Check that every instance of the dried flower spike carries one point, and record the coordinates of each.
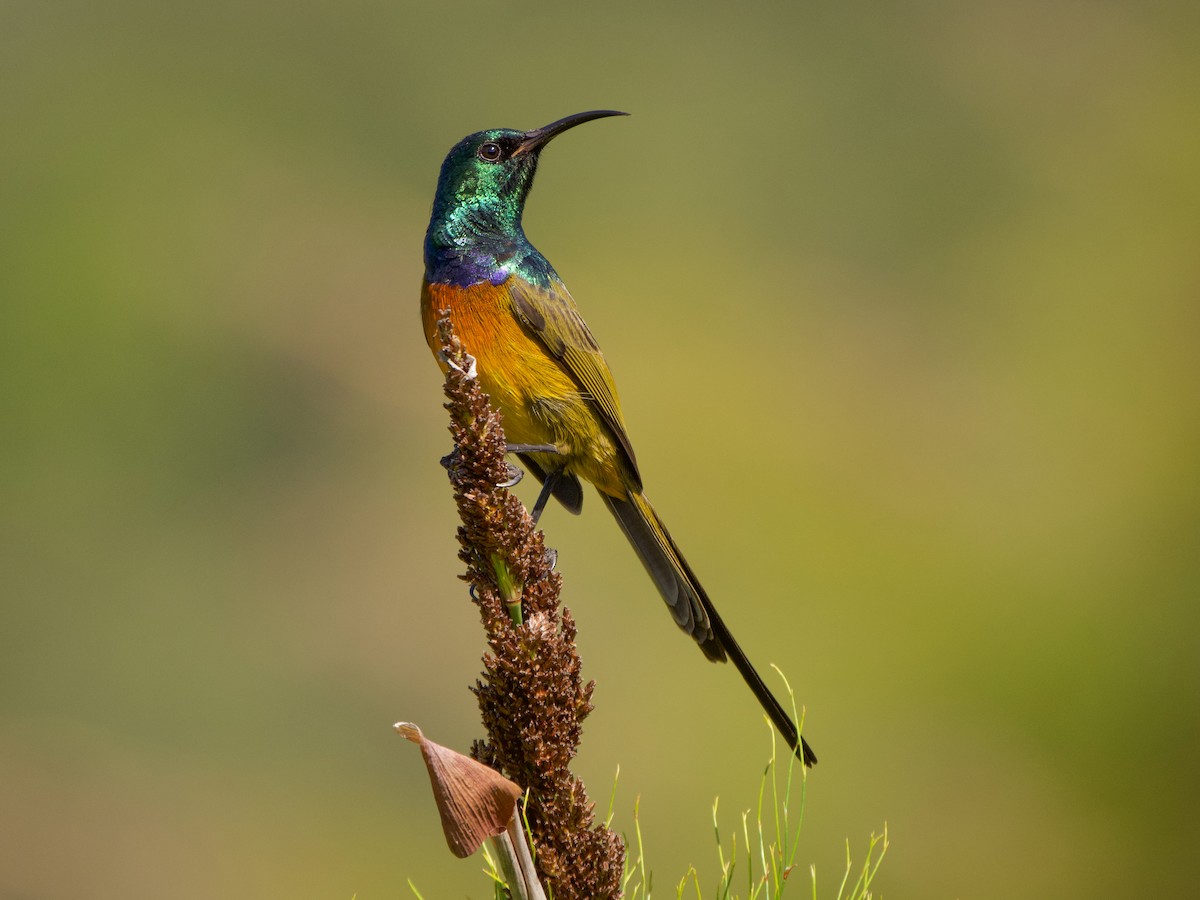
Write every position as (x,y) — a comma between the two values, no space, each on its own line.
(532,695)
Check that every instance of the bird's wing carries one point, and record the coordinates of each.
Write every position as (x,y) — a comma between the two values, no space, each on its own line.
(552,316)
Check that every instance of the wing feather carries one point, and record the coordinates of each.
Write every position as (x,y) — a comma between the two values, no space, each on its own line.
(552,316)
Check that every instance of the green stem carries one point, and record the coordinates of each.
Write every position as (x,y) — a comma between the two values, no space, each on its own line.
(510,591)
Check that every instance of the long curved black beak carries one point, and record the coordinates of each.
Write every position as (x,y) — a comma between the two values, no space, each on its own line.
(533,141)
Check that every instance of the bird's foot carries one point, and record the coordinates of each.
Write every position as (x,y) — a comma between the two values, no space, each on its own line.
(515,474)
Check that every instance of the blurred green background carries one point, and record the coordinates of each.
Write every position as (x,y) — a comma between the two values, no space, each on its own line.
(902,300)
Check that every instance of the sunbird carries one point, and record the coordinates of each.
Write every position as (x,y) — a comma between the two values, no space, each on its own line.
(539,364)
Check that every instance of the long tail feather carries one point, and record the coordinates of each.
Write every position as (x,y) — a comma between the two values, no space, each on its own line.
(690,606)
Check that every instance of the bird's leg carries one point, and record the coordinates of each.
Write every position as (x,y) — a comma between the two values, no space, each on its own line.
(515,473)
(532,448)
(548,486)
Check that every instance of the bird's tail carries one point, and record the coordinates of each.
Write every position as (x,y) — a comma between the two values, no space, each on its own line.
(690,606)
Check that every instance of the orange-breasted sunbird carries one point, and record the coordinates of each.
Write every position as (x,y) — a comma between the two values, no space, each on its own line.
(538,362)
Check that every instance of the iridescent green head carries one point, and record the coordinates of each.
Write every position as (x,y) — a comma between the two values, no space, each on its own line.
(475,231)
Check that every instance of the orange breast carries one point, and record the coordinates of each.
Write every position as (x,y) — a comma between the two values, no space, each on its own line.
(540,402)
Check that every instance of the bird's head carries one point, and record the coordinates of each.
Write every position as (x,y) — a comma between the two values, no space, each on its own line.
(487,175)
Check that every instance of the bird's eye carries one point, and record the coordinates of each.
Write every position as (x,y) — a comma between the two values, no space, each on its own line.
(489,151)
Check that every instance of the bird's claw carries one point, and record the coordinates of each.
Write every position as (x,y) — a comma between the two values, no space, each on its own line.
(515,474)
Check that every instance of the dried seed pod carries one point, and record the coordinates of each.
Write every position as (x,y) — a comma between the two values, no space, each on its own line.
(475,801)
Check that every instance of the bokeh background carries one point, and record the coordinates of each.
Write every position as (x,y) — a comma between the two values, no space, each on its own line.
(902,300)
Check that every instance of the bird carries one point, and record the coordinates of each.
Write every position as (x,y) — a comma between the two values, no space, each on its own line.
(539,364)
